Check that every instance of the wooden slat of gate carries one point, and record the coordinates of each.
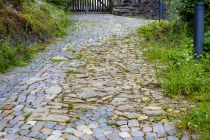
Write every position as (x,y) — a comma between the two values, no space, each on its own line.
(84,4)
(99,5)
(73,5)
(91,5)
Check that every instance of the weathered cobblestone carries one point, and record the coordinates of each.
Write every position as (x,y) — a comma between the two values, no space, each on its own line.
(91,85)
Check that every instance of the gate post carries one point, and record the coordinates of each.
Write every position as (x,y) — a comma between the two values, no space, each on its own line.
(199,28)
(161,10)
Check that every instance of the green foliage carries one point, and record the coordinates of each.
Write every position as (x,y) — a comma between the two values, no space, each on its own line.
(45,20)
(172,6)
(37,18)
(163,32)
(16,55)
(169,46)
(207,41)
(60,3)
(174,49)
(1,26)
(198,120)
(186,10)
(71,105)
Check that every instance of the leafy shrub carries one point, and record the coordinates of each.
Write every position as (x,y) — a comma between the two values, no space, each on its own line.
(207,41)
(172,9)
(170,32)
(16,55)
(186,10)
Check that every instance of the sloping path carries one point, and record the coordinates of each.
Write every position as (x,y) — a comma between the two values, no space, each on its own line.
(91,85)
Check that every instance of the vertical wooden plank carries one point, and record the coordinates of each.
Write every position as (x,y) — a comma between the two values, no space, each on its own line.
(106,5)
(99,5)
(84,6)
(78,5)
(90,2)
(92,5)
(102,7)
(83,1)
(73,5)
(95,5)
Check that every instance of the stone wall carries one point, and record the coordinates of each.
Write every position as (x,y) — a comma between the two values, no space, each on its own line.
(142,8)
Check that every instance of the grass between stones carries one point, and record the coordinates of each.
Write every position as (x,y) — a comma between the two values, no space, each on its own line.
(169,48)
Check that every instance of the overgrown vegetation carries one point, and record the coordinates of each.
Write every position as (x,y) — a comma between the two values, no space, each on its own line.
(198,120)
(24,26)
(60,3)
(186,10)
(171,50)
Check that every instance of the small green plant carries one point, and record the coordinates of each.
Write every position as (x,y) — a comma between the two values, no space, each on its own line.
(62,98)
(170,116)
(198,119)
(27,116)
(69,121)
(157,119)
(110,123)
(71,105)
(167,107)
(72,50)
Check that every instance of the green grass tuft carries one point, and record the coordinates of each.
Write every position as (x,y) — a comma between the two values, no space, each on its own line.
(71,105)
(198,120)
(17,55)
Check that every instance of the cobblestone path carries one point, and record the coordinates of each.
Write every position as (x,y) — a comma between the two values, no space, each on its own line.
(92,85)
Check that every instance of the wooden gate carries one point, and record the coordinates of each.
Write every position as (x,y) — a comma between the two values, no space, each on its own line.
(91,5)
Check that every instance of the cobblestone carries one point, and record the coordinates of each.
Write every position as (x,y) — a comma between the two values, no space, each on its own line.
(93,92)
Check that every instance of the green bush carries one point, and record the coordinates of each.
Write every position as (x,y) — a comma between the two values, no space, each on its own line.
(207,41)
(172,9)
(186,10)
(16,55)
(164,32)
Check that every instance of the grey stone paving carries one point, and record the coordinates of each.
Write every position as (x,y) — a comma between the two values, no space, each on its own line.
(60,96)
